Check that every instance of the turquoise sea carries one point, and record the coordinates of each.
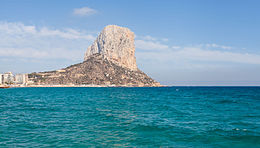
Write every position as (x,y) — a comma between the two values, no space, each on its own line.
(130,117)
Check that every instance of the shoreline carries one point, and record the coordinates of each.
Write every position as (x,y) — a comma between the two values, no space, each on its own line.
(23,86)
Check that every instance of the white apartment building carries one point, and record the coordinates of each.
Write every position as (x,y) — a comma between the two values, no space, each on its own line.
(1,79)
(21,78)
(8,78)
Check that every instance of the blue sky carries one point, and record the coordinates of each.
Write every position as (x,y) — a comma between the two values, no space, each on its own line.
(181,42)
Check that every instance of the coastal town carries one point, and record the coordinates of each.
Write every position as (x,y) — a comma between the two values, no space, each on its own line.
(8,79)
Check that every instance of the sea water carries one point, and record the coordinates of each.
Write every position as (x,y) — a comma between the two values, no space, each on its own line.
(131,117)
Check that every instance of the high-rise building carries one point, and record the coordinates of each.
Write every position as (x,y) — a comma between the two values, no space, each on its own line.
(1,79)
(21,78)
(8,78)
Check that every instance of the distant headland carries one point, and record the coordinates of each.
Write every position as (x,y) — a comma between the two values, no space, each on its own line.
(109,61)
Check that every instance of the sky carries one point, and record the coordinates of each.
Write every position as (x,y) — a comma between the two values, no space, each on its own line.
(178,42)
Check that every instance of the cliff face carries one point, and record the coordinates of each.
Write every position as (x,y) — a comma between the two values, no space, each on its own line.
(109,61)
(115,44)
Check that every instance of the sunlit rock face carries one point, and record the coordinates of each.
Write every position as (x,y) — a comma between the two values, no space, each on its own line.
(115,44)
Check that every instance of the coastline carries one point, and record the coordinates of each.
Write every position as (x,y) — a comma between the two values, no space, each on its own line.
(22,86)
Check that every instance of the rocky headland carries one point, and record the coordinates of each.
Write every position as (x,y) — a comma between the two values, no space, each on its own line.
(109,61)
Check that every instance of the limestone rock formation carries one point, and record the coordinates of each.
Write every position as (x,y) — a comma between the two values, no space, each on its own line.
(115,44)
(109,61)
(94,71)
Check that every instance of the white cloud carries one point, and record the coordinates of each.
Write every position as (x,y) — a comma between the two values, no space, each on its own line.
(54,53)
(197,55)
(165,39)
(151,38)
(18,40)
(84,11)
(21,29)
(217,46)
(67,33)
(176,47)
(28,41)
(150,45)
(148,37)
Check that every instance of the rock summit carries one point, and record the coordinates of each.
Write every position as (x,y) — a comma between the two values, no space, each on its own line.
(109,61)
(115,44)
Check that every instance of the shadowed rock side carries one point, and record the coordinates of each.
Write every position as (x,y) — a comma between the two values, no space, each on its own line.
(94,70)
